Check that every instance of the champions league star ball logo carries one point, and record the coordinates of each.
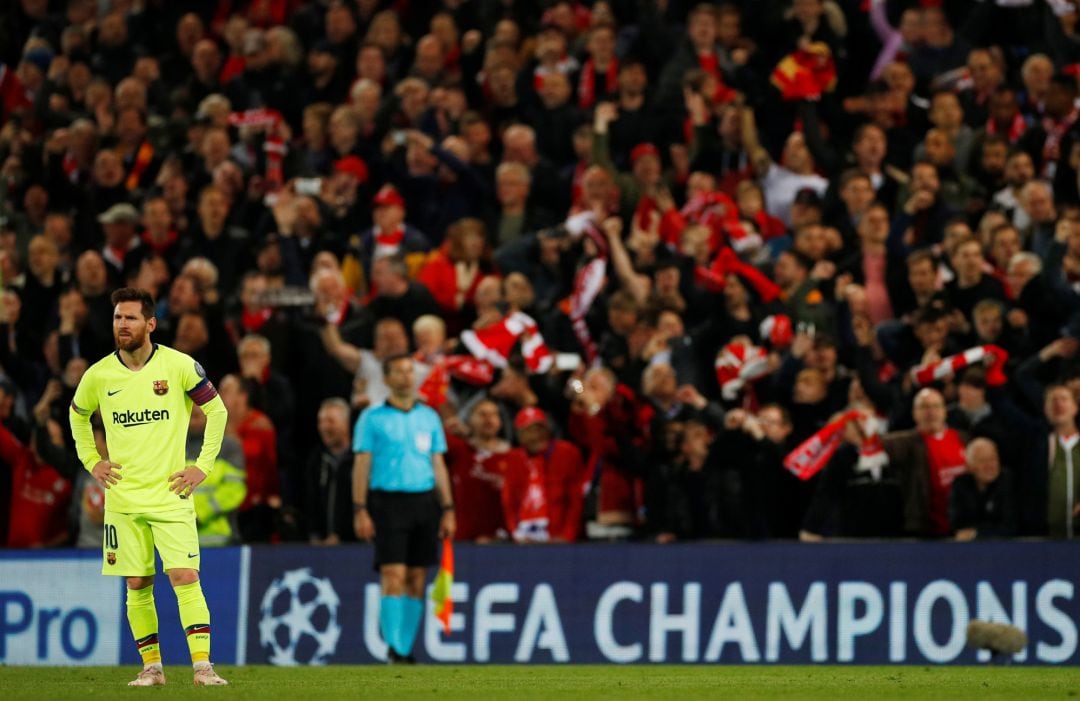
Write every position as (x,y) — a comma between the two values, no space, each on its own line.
(299,619)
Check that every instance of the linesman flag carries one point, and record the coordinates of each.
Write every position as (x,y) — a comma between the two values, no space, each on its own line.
(444,580)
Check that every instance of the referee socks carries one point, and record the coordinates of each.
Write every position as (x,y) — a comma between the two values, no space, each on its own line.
(412,610)
(391,620)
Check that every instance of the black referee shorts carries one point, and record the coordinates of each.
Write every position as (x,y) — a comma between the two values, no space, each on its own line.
(406,527)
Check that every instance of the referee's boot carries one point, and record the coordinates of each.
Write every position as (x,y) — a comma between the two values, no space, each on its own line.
(392,657)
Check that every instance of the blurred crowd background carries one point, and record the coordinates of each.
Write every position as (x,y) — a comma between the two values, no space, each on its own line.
(766,269)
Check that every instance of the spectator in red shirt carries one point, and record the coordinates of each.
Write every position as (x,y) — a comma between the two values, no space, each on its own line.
(612,428)
(256,434)
(477,467)
(543,490)
(453,272)
(39,494)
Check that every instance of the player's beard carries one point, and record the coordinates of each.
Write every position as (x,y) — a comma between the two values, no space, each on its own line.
(130,343)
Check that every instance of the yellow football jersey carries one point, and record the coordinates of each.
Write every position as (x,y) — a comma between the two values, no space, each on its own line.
(146,415)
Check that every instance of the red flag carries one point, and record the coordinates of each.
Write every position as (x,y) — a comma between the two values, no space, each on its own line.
(805,73)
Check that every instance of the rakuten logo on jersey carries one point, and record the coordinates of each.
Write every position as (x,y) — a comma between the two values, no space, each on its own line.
(139,418)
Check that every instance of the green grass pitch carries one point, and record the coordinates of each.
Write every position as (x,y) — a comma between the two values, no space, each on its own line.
(544,683)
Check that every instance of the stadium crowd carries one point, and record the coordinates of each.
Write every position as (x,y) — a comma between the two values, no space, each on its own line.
(669,271)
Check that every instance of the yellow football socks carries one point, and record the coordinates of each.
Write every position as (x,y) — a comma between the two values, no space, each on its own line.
(195,617)
(142,616)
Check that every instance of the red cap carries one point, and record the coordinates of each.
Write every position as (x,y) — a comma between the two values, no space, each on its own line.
(353,165)
(645,149)
(529,416)
(388,196)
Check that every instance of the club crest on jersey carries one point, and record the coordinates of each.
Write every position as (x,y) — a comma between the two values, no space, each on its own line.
(161,387)
(110,557)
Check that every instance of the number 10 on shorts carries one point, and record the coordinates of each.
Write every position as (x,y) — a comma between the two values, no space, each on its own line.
(111,540)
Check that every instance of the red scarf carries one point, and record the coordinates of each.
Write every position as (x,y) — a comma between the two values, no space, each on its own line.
(143,156)
(392,239)
(160,247)
(434,389)
(737,365)
(948,367)
(71,167)
(812,455)
(725,263)
(1016,129)
(588,283)
(1055,131)
(274,146)
(587,83)
(715,210)
(565,65)
(494,343)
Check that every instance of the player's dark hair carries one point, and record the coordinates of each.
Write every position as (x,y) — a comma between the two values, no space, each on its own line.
(135,294)
(389,362)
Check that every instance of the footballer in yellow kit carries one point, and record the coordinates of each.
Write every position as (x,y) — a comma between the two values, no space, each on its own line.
(144,393)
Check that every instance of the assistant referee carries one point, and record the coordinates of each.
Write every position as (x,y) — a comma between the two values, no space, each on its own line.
(402,499)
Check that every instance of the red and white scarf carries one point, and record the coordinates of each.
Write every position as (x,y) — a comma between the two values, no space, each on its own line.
(495,342)
(1055,132)
(872,456)
(435,388)
(565,65)
(70,164)
(1016,129)
(715,210)
(588,283)
(587,82)
(928,373)
(388,243)
(738,364)
(274,145)
(776,330)
(812,455)
(727,263)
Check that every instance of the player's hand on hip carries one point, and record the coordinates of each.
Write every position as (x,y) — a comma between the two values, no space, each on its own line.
(448,525)
(106,473)
(364,526)
(185,481)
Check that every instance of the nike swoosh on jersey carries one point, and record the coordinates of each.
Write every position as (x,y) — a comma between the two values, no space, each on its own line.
(118,391)
(195,555)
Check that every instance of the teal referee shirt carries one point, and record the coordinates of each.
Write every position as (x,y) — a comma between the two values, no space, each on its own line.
(401,444)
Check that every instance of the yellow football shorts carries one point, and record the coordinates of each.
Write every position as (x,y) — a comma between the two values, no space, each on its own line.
(130,539)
